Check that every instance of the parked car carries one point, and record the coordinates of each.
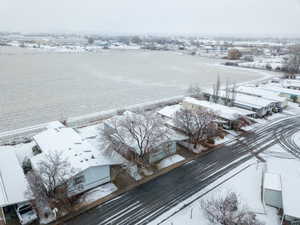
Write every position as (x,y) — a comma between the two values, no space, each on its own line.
(26,213)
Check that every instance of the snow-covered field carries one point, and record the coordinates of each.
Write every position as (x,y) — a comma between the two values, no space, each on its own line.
(246,182)
(39,86)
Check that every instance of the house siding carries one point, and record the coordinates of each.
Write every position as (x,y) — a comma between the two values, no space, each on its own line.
(162,151)
(93,177)
(273,198)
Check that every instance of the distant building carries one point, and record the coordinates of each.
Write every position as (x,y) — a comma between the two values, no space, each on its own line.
(232,117)
(290,94)
(261,106)
(280,102)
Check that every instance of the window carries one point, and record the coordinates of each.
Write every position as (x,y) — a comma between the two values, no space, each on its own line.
(79,180)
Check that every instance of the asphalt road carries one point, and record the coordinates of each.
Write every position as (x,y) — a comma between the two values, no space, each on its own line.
(148,201)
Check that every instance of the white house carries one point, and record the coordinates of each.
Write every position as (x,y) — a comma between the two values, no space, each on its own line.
(91,168)
(13,184)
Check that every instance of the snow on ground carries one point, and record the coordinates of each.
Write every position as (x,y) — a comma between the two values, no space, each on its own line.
(219,140)
(296,139)
(190,146)
(169,161)
(98,193)
(293,108)
(288,168)
(247,185)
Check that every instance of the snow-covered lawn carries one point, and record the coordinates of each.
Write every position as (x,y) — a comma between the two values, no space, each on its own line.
(219,140)
(190,147)
(246,184)
(98,193)
(169,161)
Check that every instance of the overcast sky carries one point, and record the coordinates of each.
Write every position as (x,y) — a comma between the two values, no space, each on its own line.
(242,17)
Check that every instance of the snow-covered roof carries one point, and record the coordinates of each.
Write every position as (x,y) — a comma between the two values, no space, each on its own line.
(13,184)
(272,181)
(290,194)
(261,93)
(255,102)
(170,111)
(226,112)
(243,99)
(280,90)
(291,83)
(289,170)
(67,142)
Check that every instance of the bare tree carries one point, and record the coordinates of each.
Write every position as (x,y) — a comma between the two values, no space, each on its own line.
(195,91)
(228,210)
(197,124)
(292,65)
(91,40)
(233,93)
(136,135)
(227,93)
(216,90)
(49,181)
(234,54)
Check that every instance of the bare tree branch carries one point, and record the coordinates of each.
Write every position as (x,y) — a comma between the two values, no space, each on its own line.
(140,133)
(195,91)
(228,210)
(195,123)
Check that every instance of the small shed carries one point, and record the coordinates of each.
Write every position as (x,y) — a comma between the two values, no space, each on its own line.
(272,190)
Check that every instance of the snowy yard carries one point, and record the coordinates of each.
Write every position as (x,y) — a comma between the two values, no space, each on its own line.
(247,185)
(169,161)
(98,193)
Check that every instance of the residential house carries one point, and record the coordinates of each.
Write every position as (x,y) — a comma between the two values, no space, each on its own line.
(261,106)
(291,84)
(230,117)
(89,167)
(166,147)
(279,102)
(290,94)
